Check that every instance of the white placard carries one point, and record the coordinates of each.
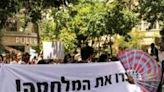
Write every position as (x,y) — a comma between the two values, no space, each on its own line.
(53,50)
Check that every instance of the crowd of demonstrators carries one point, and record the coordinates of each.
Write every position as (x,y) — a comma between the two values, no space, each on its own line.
(86,56)
(17,58)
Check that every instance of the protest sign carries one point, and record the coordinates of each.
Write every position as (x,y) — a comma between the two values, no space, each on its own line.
(53,50)
(95,77)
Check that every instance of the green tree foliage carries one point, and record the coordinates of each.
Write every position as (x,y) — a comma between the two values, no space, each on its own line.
(152,10)
(47,28)
(81,20)
(133,42)
(136,38)
(7,9)
(88,20)
(68,38)
(120,20)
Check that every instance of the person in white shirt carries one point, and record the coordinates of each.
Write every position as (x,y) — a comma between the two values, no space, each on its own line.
(13,59)
(19,58)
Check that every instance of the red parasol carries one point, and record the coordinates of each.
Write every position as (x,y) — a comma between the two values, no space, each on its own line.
(143,68)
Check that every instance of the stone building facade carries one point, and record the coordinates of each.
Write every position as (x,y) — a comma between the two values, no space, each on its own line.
(14,39)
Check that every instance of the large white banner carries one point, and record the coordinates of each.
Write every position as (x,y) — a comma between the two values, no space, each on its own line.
(96,77)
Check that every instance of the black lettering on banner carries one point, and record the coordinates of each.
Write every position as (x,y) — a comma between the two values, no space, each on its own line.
(87,82)
(122,76)
(66,82)
(117,80)
(76,85)
(108,79)
(18,85)
(30,87)
(53,86)
(99,79)
(44,85)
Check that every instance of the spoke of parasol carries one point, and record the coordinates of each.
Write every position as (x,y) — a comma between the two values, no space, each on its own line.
(153,65)
(150,75)
(146,84)
(142,88)
(127,60)
(144,65)
(133,60)
(139,60)
(148,80)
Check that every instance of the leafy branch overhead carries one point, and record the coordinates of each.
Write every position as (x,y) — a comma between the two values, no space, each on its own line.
(152,11)
(75,22)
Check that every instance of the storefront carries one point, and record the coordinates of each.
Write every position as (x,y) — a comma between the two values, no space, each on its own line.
(19,41)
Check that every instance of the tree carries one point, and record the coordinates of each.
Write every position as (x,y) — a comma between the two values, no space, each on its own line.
(47,28)
(7,9)
(84,20)
(32,10)
(93,19)
(152,11)
(119,20)
(89,21)
(135,40)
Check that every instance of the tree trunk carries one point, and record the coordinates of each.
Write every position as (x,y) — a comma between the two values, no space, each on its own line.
(110,40)
(36,29)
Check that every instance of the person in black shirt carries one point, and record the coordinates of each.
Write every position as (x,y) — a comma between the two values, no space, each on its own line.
(154,52)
